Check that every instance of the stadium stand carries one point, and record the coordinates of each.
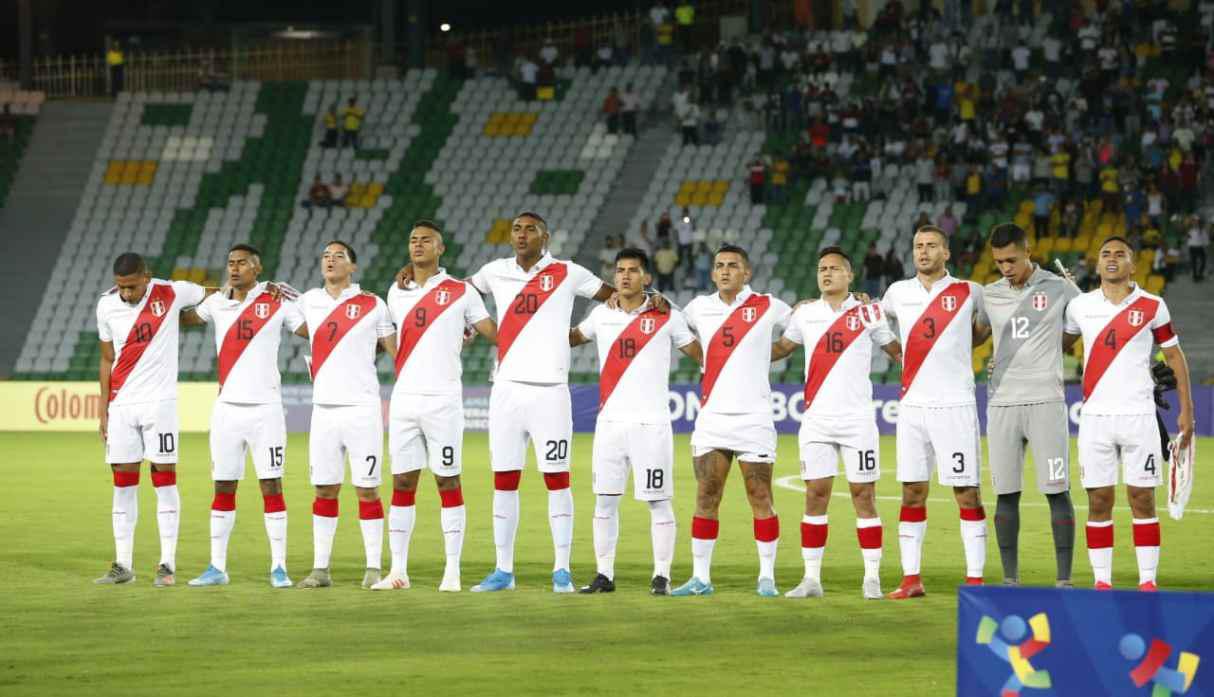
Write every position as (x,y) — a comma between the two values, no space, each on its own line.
(18,112)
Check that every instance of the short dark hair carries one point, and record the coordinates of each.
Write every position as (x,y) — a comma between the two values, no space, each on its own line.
(932,228)
(634,253)
(537,216)
(349,250)
(242,247)
(732,249)
(1116,238)
(429,224)
(1004,234)
(128,264)
(835,249)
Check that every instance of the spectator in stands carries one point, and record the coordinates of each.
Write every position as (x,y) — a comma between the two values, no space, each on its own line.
(549,53)
(1198,239)
(684,229)
(702,265)
(973,189)
(604,57)
(779,180)
(874,268)
(948,222)
(1110,188)
(1188,183)
(1043,207)
(611,109)
(607,257)
(338,191)
(330,120)
(893,267)
(689,122)
(925,174)
(528,78)
(115,60)
(351,123)
(757,177)
(665,262)
(1156,204)
(1068,226)
(318,195)
(211,79)
(8,124)
(665,229)
(1171,261)
(630,103)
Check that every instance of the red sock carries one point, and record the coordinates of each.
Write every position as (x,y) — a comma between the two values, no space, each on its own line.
(403,499)
(507,481)
(273,503)
(704,528)
(326,508)
(451,497)
(767,529)
(122,479)
(223,502)
(370,510)
(813,536)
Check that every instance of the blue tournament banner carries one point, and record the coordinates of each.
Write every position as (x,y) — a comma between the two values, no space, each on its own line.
(1040,642)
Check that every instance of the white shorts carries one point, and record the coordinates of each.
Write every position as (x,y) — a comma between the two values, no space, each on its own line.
(824,441)
(945,438)
(750,437)
(239,429)
(543,413)
(338,431)
(426,430)
(1129,440)
(147,430)
(646,449)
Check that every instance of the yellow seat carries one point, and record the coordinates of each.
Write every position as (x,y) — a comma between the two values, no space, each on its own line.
(1062,245)
(682,199)
(688,187)
(720,186)
(1155,283)
(499,232)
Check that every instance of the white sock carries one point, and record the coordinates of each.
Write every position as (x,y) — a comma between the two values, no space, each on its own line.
(373,541)
(871,555)
(560,520)
(324,528)
(1146,551)
(276,532)
(222,523)
(701,558)
(767,548)
(1100,555)
(168,514)
(453,520)
(606,533)
(401,520)
(973,539)
(505,526)
(910,544)
(662,529)
(125,514)
(813,555)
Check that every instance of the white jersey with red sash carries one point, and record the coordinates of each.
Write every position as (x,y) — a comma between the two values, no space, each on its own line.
(248,334)
(430,321)
(737,340)
(1117,341)
(838,355)
(634,360)
(937,333)
(534,310)
(344,332)
(145,337)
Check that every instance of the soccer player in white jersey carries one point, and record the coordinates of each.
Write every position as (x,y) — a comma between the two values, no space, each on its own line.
(138,325)
(839,333)
(737,327)
(633,430)
(1120,324)
(345,324)
(940,318)
(426,416)
(247,418)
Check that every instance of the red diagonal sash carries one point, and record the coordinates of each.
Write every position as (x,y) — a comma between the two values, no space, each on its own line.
(339,322)
(626,347)
(423,315)
(528,301)
(147,324)
(241,333)
(829,349)
(727,338)
(1115,335)
(931,324)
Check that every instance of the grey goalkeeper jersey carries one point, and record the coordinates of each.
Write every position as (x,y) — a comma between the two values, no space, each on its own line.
(1026,325)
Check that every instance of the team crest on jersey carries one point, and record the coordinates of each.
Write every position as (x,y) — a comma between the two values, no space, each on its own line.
(1135,317)
(749,314)
(546,282)
(261,310)
(1040,301)
(853,323)
(158,308)
(442,297)
(352,311)
(647,325)
(948,302)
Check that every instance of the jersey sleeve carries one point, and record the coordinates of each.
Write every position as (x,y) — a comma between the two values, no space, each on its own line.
(190,293)
(203,310)
(383,323)
(103,325)
(977,292)
(783,311)
(882,334)
(680,333)
(293,317)
(793,331)
(586,326)
(1161,327)
(480,279)
(586,283)
(689,314)
(474,309)
(1071,324)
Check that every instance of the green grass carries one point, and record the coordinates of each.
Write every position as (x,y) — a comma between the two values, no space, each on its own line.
(65,636)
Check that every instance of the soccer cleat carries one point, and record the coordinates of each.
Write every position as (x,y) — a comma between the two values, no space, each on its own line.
(871,588)
(164,577)
(279,578)
(391,582)
(694,586)
(911,587)
(767,588)
(1064,583)
(1102,586)
(1011,582)
(450,582)
(319,578)
(210,577)
(600,584)
(117,574)
(370,578)
(497,581)
(660,585)
(562,581)
(807,588)
(1148,587)
(976,581)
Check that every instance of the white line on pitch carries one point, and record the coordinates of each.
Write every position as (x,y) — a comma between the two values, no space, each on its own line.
(794,483)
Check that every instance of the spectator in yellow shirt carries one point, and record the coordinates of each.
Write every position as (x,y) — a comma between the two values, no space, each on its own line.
(1060,165)
(115,59)
(1110,188)
(351,122)
(330,140)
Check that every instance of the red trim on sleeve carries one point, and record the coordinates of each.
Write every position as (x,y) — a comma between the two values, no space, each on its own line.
(1164,333)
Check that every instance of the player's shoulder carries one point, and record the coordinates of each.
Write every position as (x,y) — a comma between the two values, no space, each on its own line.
(900,285)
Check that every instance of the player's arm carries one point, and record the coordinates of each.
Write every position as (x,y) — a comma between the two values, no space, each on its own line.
(694,351)
(576,338)
(1068,341)
(190,318)
(387,344)
(982,323)
(783,348)
(486,328)
(604,293)
(982,332)
(894,350)
(1180,366)
(105,368)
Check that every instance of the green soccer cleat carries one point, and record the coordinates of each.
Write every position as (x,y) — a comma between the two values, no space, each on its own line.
(319,578)
(118,574)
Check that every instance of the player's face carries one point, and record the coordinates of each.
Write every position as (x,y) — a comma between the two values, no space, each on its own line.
(930,252)
(1116,262)
(1013,261)
(425,245)
(335,264)
(730,272)
(131,288)
(630,278)
(834,274)
(528,236)
(243,269)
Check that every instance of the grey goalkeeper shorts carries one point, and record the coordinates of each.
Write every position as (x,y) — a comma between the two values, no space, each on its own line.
(1044,428)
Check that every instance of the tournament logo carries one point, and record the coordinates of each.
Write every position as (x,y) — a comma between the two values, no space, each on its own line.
(1011,641)
(647,325)
(546,282)
(1150,665)
(1135,317)
(948,302)
(261,310)
(442,297)
(1040,301)
(853,323)
(158,308)
(352,311)
(749,314)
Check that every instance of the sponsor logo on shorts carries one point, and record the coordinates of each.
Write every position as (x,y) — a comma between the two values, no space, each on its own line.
(158,308)
(261,310)
(352,311)
(948,302)
(1040,301)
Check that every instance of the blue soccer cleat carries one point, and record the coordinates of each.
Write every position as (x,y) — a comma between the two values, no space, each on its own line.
(279,578)
(562,581)
(497,581)
(211,577)
(693,587)
(767,588)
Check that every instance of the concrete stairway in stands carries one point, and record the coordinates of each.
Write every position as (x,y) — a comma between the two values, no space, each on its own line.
(1191,309)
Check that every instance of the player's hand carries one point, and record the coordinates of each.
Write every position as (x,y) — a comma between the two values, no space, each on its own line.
(990,367)
(613,302)
(1066,273)
(660,303)
(104,423)
(404,277)
(281,291)
(1185,423)
(864,298)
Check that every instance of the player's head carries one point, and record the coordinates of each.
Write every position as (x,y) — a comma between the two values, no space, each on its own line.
(730,268)
(1116,260)
(426,243)
(631,272)
(338,262)
(244,265)
(529,234)
(931,249)
(131,275)
(834,271)
(1010,249)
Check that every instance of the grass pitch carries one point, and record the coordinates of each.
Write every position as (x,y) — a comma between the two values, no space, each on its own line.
(62,635)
